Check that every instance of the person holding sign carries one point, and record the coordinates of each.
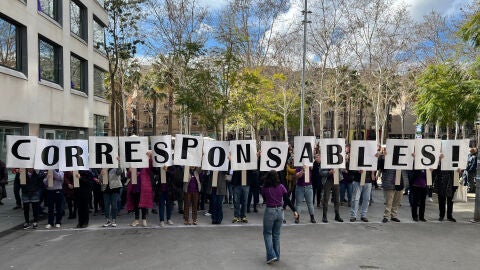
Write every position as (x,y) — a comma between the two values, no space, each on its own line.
(55,200)
(31,196)
(443,180)
(304,190)
(140,194)
(274,194)
(83,196)
(330,188)
(165,193)
(191,190)
(393,194)
(418,188)
(111,194)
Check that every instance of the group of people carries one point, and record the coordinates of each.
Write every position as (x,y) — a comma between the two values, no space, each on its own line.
(191,188)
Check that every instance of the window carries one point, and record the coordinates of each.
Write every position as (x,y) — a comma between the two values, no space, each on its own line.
(51,8)
(50,61)
(98,35)
(98,82)
(99,122)
(78,20)
(78,74)
(13,45)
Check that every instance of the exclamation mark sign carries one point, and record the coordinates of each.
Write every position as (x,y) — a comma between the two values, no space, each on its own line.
(455,155)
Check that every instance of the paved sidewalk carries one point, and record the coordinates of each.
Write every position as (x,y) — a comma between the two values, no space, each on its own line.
(11,220)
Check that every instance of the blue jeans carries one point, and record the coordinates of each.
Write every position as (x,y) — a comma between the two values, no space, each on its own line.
(364,192)
(216,207)
(272,222)
(240,196)
(304,192)
(344,186)
(55,200)
(164,202)
(110,203)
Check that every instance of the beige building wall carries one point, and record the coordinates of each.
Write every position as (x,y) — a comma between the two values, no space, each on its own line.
(28,100)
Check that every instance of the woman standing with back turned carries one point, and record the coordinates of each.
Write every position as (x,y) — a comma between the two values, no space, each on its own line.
(274,194)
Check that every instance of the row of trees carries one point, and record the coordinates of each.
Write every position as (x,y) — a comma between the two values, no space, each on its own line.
(238,68)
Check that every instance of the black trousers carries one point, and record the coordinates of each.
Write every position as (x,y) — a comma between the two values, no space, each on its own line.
(83,199)
(442,200)
(328,188)
(419,195)
(26,211)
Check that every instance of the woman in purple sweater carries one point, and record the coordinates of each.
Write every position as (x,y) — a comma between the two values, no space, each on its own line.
(274,194)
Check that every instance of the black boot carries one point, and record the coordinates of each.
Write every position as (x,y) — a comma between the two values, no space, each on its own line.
(312,219)
(324,218)
(337,217)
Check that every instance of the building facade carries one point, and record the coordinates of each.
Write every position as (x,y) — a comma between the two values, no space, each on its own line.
(52,69)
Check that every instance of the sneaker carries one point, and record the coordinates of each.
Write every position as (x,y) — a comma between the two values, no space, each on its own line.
(244,220)
(451,219)
(353,219)
(35,225)
(58,225)
(48,226)
(395,219)
(162,223)
(169,222)
(26,225)
(271,260)
(207,214)
(144,222)
(107,224)
(114,224)
(364,219)
(385,220)
(135,223)
(430,199)
(235,220)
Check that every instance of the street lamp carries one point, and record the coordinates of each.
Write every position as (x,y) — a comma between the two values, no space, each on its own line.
(302,103)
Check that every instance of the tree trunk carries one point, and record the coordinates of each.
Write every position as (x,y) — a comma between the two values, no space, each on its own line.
(154,118)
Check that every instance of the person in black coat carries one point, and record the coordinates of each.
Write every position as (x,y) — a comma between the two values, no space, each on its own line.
(83,195)
(31,195)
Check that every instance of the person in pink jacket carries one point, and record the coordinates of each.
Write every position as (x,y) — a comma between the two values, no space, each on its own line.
(140,195)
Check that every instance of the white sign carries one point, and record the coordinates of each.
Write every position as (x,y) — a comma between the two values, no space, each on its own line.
(243,155)
(162,150)
(47,154)
(215,155)
(332,153)
(73,155)
(399,154)
(103,152)
(133,152)
(427,153)
(362,155)
(188,150)
(21,151)
(273,156)
(455,153)
(303,150)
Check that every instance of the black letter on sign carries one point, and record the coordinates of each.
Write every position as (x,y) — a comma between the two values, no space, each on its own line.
(186,145)
(69,155)
(397,155)
(455,155)
(45,152)
(331,153)
(99,153)
(160,152)
(428,155)
(211,156)
(15,149)
(129,151)
(308,148)
(274,157)
(361,158)
(240,154)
